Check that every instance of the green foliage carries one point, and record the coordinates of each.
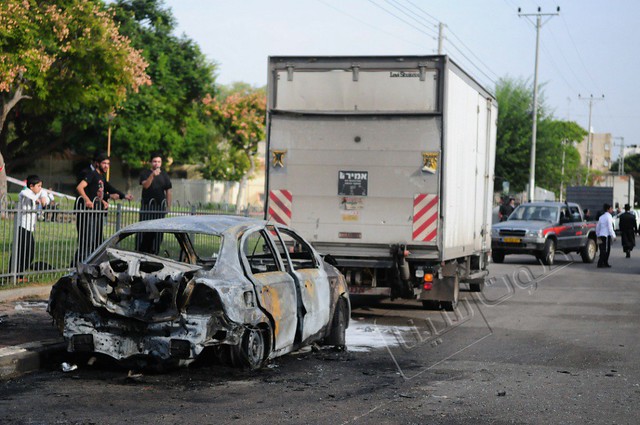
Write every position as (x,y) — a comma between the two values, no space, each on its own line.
(240,113)
(513,150)
(167,116)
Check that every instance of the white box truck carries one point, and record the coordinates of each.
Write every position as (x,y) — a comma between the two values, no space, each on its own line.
(386,165)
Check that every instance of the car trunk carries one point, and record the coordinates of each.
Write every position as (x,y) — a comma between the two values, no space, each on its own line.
(138,286)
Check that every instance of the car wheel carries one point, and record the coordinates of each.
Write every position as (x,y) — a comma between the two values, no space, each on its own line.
(549,253)
(252,350)
(588,253)
(337,336)
(497,256)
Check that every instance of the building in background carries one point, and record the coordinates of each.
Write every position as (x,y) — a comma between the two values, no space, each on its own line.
(602,144)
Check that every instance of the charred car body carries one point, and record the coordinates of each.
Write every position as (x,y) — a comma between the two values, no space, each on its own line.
(248,289)
(542,228)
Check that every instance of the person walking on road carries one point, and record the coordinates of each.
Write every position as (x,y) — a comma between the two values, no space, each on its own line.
(628,229)
(605,233)
(156,201)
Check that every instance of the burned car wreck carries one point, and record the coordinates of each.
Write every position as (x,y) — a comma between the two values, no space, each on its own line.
(246,289)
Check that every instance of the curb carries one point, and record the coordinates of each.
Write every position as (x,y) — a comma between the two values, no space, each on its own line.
(40,291)
(29,357)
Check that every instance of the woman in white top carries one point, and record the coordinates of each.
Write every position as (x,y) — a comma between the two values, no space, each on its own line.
(28,200)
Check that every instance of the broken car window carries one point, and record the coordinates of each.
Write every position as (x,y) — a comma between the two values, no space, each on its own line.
(300,253)
(259,254)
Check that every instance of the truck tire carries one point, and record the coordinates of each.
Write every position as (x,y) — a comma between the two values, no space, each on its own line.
(548,255)
(475,287)
(430,304)
(588,252)
(449,305)
(497,257)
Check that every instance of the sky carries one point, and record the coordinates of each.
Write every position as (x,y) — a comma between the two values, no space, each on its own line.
(592,48)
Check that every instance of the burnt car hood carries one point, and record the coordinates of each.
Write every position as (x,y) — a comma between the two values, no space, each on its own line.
(137,286)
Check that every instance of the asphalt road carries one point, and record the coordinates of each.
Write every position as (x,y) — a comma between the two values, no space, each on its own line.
(540,345)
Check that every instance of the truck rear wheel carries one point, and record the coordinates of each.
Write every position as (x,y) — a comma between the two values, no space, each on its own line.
(588,252)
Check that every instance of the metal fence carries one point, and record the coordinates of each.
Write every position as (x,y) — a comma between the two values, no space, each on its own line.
(64,233)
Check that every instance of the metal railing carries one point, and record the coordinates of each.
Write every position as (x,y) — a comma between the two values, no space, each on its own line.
(66,233)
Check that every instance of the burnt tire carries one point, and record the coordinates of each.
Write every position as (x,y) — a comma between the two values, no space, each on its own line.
(588,252)
(548,254)
(338,334)
(253,350)
(497,257)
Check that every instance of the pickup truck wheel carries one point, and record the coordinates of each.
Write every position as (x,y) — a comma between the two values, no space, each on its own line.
(497,256)
(588,252)
(549,253)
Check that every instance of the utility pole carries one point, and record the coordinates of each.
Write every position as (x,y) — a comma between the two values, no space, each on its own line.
(538,24)
(440,37)
(564,151)
(621,157)
(589,158)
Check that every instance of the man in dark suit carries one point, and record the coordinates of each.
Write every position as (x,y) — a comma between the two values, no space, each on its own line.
(628,229)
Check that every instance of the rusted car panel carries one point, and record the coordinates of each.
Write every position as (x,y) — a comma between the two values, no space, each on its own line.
(229,283)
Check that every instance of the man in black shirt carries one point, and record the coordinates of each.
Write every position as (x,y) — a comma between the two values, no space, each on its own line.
(94,192)
(156,201)
(506,209)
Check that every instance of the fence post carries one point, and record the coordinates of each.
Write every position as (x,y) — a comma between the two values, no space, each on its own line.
(15,248)
(118,217)
(193,210)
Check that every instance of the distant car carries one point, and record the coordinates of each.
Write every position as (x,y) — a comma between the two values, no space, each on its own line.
(616,220)
(542,228)
(247,289)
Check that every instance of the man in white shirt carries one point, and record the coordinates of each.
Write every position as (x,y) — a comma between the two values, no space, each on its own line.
(605,232)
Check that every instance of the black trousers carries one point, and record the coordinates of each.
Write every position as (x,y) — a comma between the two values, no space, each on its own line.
(25,250)
(90,233)
(150,242)
(605,250)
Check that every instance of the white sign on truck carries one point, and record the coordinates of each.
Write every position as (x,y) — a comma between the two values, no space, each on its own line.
(386,164)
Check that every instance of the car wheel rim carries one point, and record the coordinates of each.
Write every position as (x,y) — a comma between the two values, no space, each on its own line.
(255,347)
(592,249)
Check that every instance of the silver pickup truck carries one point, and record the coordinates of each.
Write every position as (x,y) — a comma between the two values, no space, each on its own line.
(541,229)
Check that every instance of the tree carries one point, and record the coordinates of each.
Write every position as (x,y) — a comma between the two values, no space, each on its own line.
(241,116)
(168,116)
(513,147)
(65,56)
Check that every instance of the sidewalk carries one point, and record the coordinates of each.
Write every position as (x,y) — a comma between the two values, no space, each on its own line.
(27,334)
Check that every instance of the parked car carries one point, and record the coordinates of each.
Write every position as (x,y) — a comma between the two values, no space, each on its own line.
(616,219)
(247,289)
(541,228)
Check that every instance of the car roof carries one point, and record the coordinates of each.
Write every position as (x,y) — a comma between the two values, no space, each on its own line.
(195,224)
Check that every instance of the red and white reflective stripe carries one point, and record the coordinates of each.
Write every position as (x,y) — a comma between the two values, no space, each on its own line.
(425,217)
(280,206)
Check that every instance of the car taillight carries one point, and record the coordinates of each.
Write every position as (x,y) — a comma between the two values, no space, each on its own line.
(428,282)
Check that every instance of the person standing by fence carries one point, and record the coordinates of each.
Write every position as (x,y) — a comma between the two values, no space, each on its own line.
(156,201)
(29,199)
(91,206)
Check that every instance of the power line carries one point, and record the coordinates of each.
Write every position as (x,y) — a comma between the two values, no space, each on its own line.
(409,14)
(434,20)
(368,24)
(473,54)
(399,18)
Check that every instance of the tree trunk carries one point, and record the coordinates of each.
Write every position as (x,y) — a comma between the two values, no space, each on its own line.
(7,106)
(243,184)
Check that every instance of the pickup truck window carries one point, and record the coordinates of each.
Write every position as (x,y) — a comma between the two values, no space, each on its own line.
(535,212)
